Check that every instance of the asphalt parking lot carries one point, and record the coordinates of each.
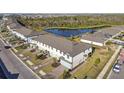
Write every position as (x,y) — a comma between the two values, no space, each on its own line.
(119,75)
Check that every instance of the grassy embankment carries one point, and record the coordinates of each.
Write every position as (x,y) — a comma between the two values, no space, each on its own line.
(65,22)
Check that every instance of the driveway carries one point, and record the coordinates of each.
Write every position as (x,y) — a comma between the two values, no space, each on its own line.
(56,72)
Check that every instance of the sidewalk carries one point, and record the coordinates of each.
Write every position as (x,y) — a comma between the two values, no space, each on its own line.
(103,72)
(20,61)
(57,71)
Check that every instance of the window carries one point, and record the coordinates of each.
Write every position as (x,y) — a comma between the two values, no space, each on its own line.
(85,55)
(68,56)
(62,53)
(58,51)
(44,45)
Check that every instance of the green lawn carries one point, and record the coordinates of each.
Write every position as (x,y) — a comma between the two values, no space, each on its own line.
(26,53)
(48,68)
(80,27)
(19,49)
(76,39)
(32,57)
(119,38)
(89,69)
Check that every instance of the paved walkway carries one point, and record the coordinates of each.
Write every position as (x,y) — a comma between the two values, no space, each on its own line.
(103,72)
(78,67)
(57,71)
(114,75)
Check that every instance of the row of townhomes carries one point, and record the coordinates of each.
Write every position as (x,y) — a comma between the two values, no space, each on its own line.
(70,53)
(101,36)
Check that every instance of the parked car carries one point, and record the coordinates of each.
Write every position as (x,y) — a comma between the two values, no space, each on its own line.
(7,47)
(117,68)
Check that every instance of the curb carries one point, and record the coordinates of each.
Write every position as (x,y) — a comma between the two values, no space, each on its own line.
(103,72)
(22,62)
(25,65)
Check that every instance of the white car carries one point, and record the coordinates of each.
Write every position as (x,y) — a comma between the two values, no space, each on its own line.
(116,68)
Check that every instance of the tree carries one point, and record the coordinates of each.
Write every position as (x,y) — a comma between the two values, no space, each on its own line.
(97,61)
(66,74)
(109,49)
(55,63)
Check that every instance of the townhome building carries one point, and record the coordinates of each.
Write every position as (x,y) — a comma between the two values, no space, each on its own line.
(70,53)
(101,36)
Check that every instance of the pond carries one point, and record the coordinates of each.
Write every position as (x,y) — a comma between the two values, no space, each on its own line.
(68,32)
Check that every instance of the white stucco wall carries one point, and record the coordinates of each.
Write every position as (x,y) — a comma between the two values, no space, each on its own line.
(98,44)
(16,33)
(19,35)
(81,57)
(66,64)
(86,41)
(53,52)
(92,42)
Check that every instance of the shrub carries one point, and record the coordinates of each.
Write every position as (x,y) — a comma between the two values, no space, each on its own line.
(24,46)
(33,50)
(55,64)
(38,56)
(66,74)
(97,61)
(108,43)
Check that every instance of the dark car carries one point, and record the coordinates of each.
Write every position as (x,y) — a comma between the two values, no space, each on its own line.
(7,47)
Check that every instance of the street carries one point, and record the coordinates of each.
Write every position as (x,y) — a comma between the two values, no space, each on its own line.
(13,64)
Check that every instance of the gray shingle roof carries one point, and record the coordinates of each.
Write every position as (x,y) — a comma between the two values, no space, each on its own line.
(23,30)
(62,44)
(102,35)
